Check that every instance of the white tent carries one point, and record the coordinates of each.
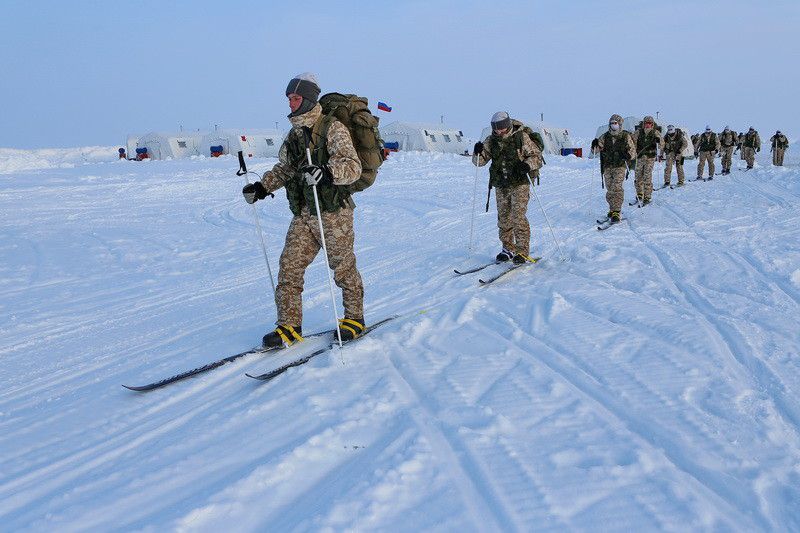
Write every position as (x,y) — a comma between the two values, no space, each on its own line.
(629,124)
(171,145)
(130,145)
(252,143)
(554,138)
(426,137)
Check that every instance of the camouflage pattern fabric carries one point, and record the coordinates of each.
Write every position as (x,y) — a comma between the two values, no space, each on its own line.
(702,158)
(727,157)
(302,245)
(644,177)
(615,192)
(530,152)
(344,163)
(676,160)
(303,240)
(777,156)
(749,155)
(512,219)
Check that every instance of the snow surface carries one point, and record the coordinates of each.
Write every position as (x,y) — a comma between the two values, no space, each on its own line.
(649,382)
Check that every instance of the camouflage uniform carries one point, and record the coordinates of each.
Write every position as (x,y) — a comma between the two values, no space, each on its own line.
(616,149)
(751,145)
(739,145)
(707,145)
(647,146)
(674,145)
(303,240)
(727,140)
(512,187)
(779,144)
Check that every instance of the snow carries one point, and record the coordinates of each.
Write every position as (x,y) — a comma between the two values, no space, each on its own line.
(648,382)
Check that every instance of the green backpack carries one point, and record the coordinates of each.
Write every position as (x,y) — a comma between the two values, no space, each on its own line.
(534,136)
(353,111)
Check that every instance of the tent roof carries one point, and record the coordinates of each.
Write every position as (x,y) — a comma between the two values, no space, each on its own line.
(418,126)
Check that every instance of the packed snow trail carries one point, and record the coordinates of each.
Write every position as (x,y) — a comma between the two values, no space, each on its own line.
(651,381)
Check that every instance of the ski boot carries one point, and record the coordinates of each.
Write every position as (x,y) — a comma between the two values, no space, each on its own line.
(504,256)
(282,335)
(351,328)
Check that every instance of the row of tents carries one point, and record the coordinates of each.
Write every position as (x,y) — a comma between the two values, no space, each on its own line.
(398,136)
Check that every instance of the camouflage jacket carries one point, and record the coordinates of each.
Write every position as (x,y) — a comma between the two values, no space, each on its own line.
(342,161)
(509,148)
(616,149)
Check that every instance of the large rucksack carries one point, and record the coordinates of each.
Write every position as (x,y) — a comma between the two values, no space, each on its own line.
(353,111)
(534,136)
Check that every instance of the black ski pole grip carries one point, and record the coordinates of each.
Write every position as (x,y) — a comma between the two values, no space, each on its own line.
(242,166)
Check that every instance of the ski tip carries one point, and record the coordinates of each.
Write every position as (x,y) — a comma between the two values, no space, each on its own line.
(135,388)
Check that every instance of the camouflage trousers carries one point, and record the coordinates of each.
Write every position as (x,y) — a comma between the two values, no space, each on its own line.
(303,243)
(777,156)
(702,158)
(615,191)
(749,155)
(644,177)
(727,158)
(678,162)
(512,219)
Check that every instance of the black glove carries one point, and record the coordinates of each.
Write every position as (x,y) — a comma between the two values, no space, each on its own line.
(595,145)
(521,167)
(758,149)
(314,175)
(254,191)
(478,148)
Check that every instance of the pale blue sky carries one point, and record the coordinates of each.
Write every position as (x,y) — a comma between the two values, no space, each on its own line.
(90,72)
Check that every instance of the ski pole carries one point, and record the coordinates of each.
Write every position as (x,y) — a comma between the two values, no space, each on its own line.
(488,195)
(244,172)
(546,219)
(472,215)
(325,251)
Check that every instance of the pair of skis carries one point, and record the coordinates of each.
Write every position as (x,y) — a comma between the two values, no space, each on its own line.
(605,223)
(266,376)
(494,278)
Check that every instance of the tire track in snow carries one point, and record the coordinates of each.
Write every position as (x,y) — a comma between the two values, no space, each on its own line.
(479,496)
(729,340)
(714,484)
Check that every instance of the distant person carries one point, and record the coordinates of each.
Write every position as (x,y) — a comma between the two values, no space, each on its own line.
(335,164)
(675,143)
(779,144)
(514,156)
(739,144)
(750,146)
(648,142)
(695,138)
(617,153)
(707,146)
(122,154)
(727,140)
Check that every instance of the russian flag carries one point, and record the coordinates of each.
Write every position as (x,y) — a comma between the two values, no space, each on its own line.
(384,107)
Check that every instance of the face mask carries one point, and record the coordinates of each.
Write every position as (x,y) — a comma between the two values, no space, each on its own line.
(614,127)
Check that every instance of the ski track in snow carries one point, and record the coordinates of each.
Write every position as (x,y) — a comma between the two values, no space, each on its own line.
(649,382)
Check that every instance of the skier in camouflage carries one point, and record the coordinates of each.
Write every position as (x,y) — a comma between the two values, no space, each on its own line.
(513,155)
(617,154)
(335,164)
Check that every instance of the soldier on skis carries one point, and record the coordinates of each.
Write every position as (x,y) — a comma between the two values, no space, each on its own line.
(335,164)
(674,144)
(647,139)
(513,155)
(617,153)
(779,144)
(751,145)
(728,140)
(706,147)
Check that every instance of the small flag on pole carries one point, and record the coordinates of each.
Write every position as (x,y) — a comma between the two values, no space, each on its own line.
(384,107)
